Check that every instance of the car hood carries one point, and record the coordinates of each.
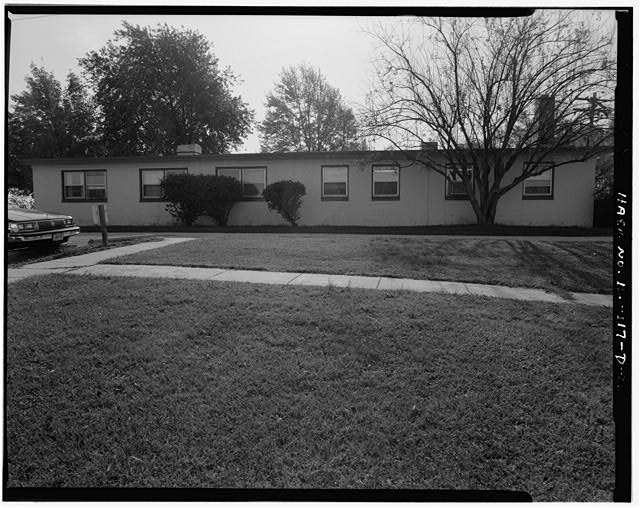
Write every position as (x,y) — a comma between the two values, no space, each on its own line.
(20,214)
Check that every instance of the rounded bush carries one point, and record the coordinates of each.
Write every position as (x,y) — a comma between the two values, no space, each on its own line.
(220,194)
(182,191)
(285,197)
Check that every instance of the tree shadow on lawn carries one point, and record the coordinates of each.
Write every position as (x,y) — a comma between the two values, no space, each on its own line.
(463,260)
(566,266)
(521,263)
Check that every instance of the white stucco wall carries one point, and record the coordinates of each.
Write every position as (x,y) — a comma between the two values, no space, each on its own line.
(422,194)
(572,203)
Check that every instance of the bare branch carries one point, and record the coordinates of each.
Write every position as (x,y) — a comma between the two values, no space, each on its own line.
(479,87)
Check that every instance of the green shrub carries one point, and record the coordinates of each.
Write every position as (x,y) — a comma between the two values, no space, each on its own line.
(285,197)
(220,193)
(191,196)
(184,193)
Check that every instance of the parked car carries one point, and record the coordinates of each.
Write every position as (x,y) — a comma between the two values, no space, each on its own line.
(33,228)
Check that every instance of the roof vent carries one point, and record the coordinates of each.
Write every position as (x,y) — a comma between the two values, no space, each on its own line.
(194,149)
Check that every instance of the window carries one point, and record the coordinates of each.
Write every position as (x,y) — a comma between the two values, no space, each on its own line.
(150,189)
(538,186)
(74,185)
(335,182)
(385,182)
(232,172)
(253,180)
(455,187)
(84,185)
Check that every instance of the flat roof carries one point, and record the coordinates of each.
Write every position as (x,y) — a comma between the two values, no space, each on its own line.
(372,155)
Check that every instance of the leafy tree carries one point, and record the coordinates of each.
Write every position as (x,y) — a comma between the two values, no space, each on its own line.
(305,113)
(49,121)
(492,91)
(36,124)
(18,175)
(161,87)
(81,136)
(285,197)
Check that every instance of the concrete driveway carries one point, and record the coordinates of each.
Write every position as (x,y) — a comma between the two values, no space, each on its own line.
(27,255)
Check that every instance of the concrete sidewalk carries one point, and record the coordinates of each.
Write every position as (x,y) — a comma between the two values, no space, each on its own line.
(93,258)
(351,281)
(87,264)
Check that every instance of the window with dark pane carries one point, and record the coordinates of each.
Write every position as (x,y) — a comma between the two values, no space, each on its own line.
(456,187)
(334,181)
(96,184)
(386,180)
(74,185)
(151,179)
(541,185)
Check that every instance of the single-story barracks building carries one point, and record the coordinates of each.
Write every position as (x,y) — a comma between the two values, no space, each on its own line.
(356,188)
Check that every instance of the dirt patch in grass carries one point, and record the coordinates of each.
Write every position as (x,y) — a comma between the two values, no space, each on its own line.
(156,383)
(551,265)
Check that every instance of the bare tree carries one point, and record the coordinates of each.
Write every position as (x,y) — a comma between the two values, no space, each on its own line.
(491,91)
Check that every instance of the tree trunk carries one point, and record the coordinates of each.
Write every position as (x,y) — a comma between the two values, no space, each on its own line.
(487,211)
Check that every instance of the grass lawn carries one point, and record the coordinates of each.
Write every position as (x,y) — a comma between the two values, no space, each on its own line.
(166,383)
(451,229)
(572,266)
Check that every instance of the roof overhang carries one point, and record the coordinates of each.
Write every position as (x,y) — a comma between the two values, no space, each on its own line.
(369,156)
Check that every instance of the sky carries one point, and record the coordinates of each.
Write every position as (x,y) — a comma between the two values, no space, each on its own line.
(256,48)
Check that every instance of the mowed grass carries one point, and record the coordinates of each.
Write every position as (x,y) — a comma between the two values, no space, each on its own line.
(166,383)
(553,265)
